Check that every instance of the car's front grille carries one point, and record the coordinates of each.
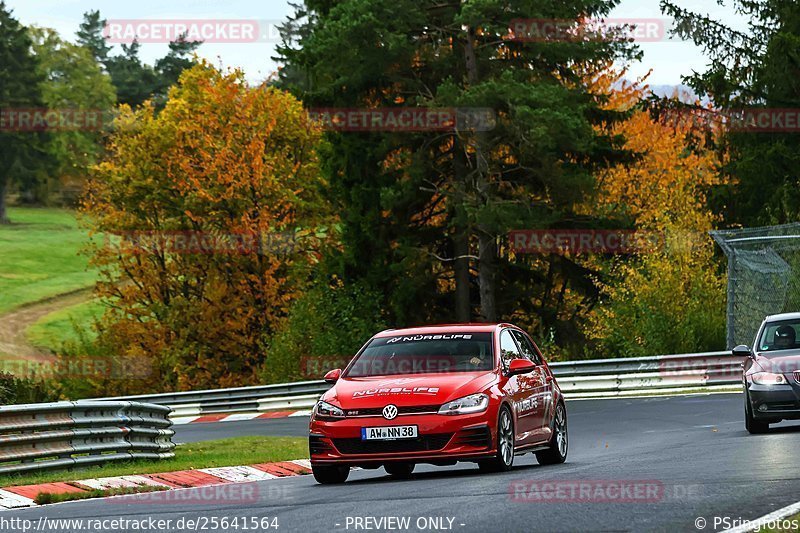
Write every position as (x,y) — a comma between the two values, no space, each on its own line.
(378,411)
(423,443)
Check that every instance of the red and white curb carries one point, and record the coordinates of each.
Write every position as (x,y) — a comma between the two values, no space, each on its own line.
(23,496)
(208,419)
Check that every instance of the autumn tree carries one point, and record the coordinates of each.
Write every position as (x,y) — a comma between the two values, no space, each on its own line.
(224,161)
(669,296)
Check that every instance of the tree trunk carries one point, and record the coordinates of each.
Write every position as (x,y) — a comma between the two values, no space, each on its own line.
(463,307)
(3,215)
(486,272)
(461,235)
(487,246)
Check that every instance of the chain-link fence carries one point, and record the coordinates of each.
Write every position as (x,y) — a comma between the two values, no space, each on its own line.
(763,276)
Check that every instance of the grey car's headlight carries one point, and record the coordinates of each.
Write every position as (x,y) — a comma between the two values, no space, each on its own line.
(768,378)
(474,403)
(326,410)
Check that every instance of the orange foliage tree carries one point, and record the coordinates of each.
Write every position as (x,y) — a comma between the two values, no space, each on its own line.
(668,298)
(206,218)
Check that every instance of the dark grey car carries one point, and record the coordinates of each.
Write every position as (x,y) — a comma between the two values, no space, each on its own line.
(771,375)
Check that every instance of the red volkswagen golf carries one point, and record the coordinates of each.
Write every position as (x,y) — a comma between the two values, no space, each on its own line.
(439,395)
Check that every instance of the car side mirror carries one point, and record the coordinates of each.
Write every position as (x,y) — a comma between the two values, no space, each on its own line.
(333,376)
(520,366)
(742,351)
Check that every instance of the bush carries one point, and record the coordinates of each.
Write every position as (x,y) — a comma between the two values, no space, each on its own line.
(665,303)
(325,328)
(17,390)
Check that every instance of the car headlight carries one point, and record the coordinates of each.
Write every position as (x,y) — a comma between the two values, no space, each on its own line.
(474,403)
(768,378)
(326,410)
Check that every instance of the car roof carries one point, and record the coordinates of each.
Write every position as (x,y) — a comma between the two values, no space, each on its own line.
(782,316)
(478,327)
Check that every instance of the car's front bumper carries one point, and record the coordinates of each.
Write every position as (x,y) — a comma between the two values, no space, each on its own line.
(772,402)
(442,439)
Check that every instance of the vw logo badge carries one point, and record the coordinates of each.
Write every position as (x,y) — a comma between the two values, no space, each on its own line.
(390,412)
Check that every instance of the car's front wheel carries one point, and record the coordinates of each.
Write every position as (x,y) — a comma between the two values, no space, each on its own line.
(328,475)
(750,423)
(556,451)
(504,457)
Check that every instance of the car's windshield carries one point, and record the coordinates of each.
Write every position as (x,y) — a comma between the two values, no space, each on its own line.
(779,335)
(424,354)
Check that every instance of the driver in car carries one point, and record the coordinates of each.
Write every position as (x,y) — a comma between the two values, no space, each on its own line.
(784,338)
(473,350)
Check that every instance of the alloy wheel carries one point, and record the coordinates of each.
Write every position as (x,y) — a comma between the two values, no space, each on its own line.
(506,438)
(561,430)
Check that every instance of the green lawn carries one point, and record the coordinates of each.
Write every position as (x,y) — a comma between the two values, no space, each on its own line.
(39,256)
(225,452)
(51,331)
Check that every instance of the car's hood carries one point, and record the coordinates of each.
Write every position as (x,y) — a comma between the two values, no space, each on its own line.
(418,389)
(779,362)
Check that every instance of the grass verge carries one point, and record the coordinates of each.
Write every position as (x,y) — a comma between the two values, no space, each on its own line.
(55,329)
(45,498)
(224,452)
(40,256)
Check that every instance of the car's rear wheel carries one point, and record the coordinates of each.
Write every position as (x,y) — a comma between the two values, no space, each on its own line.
(399,470)
(504,457)
(558,447)
(750,423)
(328,475)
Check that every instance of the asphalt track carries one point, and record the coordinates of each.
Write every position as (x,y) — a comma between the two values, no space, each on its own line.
(694,448)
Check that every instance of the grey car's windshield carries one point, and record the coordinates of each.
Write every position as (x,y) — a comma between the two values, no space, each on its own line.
(424,354)
(779,335)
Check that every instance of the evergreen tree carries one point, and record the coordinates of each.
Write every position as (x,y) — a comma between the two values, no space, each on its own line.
(437,206)
(169,67)
(90,35)
(21,152)
(757,68)
(136,82)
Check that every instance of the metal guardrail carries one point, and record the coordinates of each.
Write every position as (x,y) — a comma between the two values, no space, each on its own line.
(63,435)
(593,378)
(236,400)
(665,373)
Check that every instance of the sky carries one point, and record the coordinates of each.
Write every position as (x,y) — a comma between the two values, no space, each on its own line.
(667,59)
